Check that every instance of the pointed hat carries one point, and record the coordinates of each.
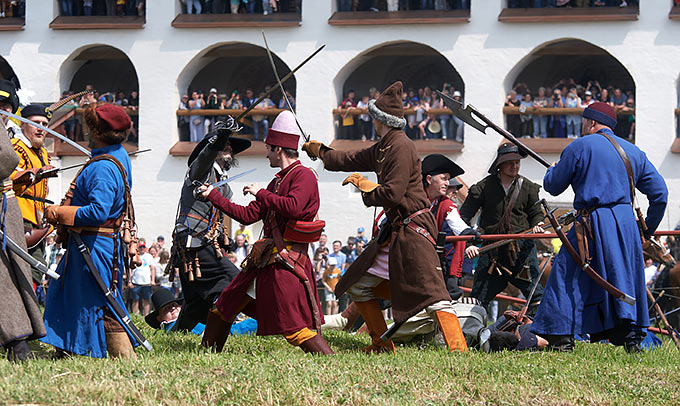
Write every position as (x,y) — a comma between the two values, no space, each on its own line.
(284,132)
(388,108)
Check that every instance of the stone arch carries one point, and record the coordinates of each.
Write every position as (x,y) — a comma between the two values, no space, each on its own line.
(417,65)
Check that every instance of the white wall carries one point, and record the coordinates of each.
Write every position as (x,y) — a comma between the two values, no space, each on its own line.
(484,52)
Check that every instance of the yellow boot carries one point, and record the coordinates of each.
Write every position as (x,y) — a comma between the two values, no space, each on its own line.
(450,327)
(375,322)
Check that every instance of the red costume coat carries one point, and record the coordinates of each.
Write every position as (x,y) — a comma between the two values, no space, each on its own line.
(281,306)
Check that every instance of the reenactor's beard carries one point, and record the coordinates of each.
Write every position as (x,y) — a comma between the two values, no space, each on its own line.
(228,162)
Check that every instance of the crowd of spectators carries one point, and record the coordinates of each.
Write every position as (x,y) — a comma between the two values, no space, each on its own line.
(194,127)
(74,128)
(12,8)
(571,3)
(422,123)
(566,94)
(264,7)
(396,5)
(101,7)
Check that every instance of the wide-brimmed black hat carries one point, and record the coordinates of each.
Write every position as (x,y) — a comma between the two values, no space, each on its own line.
(506,152)
(434,164)
(8,91)
(237,145)
(160,298)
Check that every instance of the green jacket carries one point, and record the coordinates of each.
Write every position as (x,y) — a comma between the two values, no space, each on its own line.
(489,196)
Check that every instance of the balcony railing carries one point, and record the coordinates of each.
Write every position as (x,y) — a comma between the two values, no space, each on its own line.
(343,18)
(568,14)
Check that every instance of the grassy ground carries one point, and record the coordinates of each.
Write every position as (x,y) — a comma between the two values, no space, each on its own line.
(266,370)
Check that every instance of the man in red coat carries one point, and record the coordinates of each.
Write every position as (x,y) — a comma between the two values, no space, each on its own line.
(282,299)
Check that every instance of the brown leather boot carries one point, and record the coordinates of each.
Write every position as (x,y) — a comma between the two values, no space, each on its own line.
(450,327)
(375,322)
(216,331)
(317,345)
(118,345)
(351,313)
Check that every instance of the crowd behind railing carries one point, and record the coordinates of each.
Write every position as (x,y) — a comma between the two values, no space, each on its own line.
(427,116)
(396,5)
(265,7)
(530,113)
(74,127)
(101,7)
(12,8)
(571,3)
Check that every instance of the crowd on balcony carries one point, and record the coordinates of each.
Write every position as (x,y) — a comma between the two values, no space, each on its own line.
(194,127)
(101,7)
(571,3)
(12,8)
(265,7)
(424,122)
(74,127)
(566,94)
(396,5)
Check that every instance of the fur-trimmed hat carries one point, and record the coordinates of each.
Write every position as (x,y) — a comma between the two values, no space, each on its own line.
(285,132)
(8,92)
(387,108)
(603,113)
(506,152)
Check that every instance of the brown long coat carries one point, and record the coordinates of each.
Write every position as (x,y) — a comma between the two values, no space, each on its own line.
(20,315)
(416,279)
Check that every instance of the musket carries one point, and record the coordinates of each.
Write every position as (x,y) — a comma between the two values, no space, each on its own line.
(283,91)
(468,114)
(565,220)
(48,172)
(28,258)
(583,264)
(49,131)
(288,76)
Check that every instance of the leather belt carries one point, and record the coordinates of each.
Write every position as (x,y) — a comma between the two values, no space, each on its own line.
(418,229)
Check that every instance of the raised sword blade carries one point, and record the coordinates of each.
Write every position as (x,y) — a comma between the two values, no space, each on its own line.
(240,175)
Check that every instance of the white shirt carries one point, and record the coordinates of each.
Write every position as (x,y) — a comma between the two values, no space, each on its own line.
(142,274)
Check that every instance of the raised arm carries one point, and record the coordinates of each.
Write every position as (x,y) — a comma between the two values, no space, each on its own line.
(348,161)
(558,177)
(243,214)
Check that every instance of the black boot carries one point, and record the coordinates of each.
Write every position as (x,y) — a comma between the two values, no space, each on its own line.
(561,343)
(316,345)
(216,332)
(19,351)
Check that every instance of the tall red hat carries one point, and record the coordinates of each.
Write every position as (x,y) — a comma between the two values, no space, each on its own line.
(285,132)
(387,108)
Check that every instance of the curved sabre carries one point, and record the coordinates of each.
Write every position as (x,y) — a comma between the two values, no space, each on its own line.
(49,131)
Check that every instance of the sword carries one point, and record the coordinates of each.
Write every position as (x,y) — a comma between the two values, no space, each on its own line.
(21,253)
(283,91)
(49,131)
(288,76)
(466,114)
(198,184)
(47,173)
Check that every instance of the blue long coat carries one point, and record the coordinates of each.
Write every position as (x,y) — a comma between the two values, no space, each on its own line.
(572,302)
(74,305)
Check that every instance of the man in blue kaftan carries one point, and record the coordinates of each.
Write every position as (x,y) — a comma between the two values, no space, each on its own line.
(77,316)
(572,302)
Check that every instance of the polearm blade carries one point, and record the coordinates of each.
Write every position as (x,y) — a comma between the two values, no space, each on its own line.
(64,168)
(240,175)
(470,114)
(21,253)
(283,91)
(52,132)
(283,80)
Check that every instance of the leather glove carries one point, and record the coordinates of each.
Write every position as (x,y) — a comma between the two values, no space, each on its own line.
(41,173)
(27,177)
(64,215)
(360,182)
(313,148)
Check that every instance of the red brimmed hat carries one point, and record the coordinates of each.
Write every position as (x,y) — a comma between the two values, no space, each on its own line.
(284,132)
(603,113)
(115,116)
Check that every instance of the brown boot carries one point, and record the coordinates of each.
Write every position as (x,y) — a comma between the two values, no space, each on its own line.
(351,313)
(317,345)
(216,331)
(118,345)
(375,322)
(450,327)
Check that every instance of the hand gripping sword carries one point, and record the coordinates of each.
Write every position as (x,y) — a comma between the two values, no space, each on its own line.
(283,91)
(51,132)
(566,244)
(468,114)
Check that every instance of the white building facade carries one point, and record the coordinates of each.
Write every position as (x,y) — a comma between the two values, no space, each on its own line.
(485,52)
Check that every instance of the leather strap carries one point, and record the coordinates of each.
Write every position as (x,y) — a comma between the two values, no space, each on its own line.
(626,163)
(418,229)
(504,223)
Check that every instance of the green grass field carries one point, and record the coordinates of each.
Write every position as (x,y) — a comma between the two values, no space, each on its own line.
(266,370)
